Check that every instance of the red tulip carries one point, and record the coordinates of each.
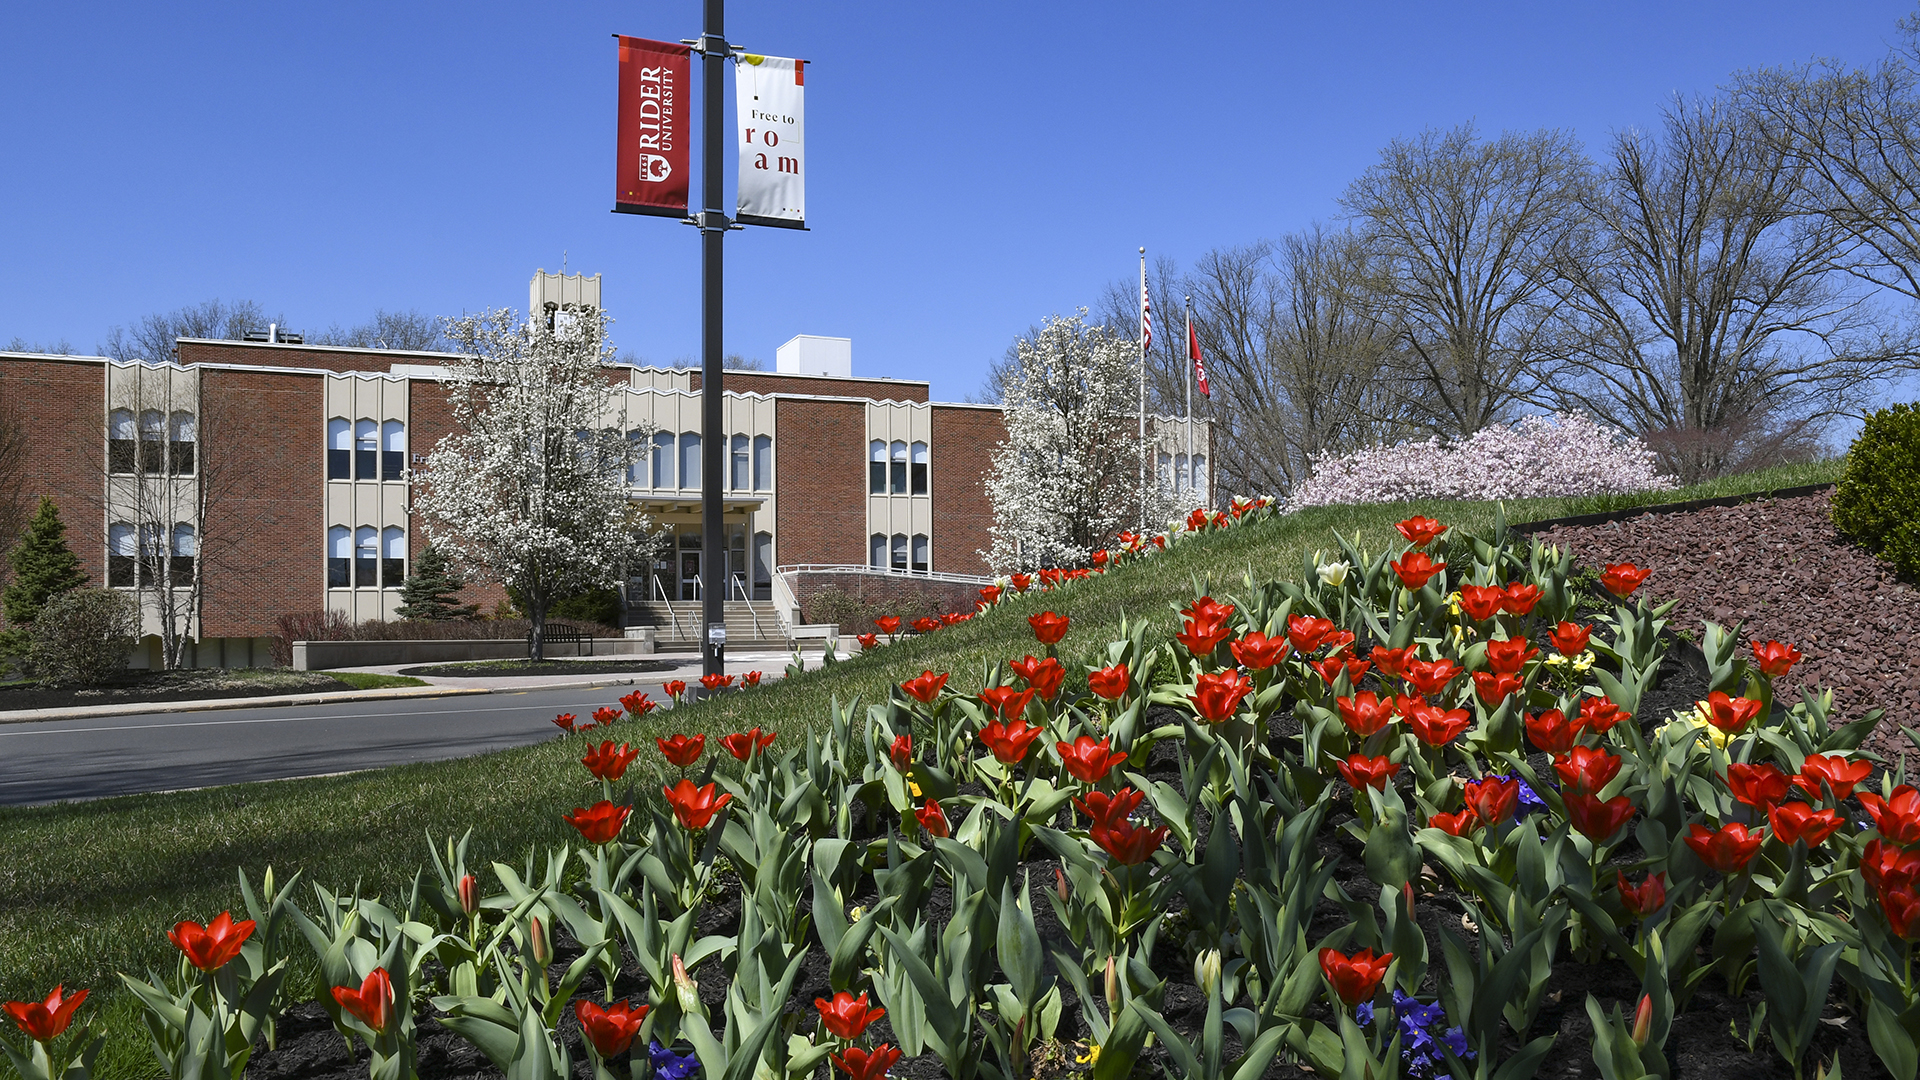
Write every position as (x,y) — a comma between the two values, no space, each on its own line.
(610,1030)
(847,1016)
(1897,816)
(565,722)
(1207,609)
(1364,713)
(1902,908)
(1361,771)
(1551,732)
(638,704)
(1006,702)
(867,641)
(1109,682)
(867,1065)
(694,806)
(1621,579)
(1048,627)
(1089,761)
(1436,726)
(605,716)
(1200,637)
(1420,531)
(990,595)
(1586,770)
(1646,898)
(674,688)
(1599,714)
(1570,639)
(888,624)
(1731,714)
(1481,602)
(1519,599)
(1493,798)
(1884,866)
(1759,786)
(1020,582)
(213,946)
(1775,658)
(1334,666)
(468,893)
(715,681)
(1257,652)
(1128,844)
(1728,849)
(1307,633)
(933,819)
(1494,689)
(1416,568)
(1833,770)
(683,750)
(1011,740)
(606,762)
(1392,661)
(925,687)
(372,1004)
(949,618)
(1216,697)
(1431,677)
(926,624)
(752,678)
(901,752)
(1455,824)
(1597,819)
(601,822)
(1509,656)
(1794,821)
(1099,559)
(1355,979)
(745,744)
(1044,674)
(45,1021)
(1106,811)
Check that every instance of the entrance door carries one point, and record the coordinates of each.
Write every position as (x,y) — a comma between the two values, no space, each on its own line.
(689,575)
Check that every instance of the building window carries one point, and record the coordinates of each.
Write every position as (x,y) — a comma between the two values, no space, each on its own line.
(920,553)
(877,551)
(393,564)
(366,557)
(1200,475)
(899,551)
(120,555)
(877,469)
(637,465)
(899,468)
(366,450)
(153,441)
(122,435)
(763,566)
(1165,472)
(663,459)
(742,463)
(1181,477)
(393,450)
(153,554)
(737,562)
(180,566)
(180,443)
(919,468)
(339,448)
(339,557)
(763,463)
(689,459)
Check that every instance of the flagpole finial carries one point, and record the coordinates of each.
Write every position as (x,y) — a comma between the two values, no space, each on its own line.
(1143,251)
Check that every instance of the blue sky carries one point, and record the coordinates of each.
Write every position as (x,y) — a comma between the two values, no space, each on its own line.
(973,166)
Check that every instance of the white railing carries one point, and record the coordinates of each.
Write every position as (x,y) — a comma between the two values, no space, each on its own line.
(786,606)
(854,568)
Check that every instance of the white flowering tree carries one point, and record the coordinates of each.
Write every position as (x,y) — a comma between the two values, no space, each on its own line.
(530,489)
(1067,478)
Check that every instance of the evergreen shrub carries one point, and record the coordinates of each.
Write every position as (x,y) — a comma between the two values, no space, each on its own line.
(83,637)
(1877,504)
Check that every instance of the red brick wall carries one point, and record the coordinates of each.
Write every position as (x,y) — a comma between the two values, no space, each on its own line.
(62,406)
(962,446)
(261,354)
(822,483)
(761,382)
(875,594)
(430,420)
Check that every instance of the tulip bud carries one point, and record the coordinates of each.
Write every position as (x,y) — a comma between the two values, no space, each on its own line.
(1408,890)
(1113,988)
(684,988)
(542,948)
(1060,885)
(1206,970)
(469,891)
(1643,1020)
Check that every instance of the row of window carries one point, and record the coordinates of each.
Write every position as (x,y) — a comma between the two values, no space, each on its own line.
(150,554)
(1177,476)
(366,449)
(673,462)
(366,557)
(898,552)
(155,442)
(896,468)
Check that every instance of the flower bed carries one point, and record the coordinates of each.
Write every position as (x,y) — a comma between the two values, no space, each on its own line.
(1410,808)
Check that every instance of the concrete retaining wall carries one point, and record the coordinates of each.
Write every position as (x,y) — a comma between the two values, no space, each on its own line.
(321,655)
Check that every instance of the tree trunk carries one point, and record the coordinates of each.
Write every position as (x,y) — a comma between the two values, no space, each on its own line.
(537,635)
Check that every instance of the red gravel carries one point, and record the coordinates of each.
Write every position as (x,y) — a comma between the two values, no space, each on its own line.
(1780,570)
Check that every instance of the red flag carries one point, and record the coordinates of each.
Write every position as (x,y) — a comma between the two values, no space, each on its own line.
(650,165)
(1146,313)
(1199,365)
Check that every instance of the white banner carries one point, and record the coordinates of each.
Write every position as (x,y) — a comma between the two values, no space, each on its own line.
(772,141)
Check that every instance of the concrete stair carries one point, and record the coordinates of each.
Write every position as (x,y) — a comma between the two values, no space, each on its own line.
(677,623)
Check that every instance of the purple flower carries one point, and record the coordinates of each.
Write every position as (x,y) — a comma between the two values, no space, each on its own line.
(668,1065)
(1364,1012)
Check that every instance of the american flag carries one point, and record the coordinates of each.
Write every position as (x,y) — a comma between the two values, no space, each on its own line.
(1146,316)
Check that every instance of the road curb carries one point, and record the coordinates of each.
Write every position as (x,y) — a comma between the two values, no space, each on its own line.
(29,716)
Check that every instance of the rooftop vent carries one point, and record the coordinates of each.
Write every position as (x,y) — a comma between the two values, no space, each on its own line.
(274,334)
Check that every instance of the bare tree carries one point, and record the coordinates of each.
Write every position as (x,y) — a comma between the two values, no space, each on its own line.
(1464,236)
(408,331)
(154,336)
(1709,316)
(13,477)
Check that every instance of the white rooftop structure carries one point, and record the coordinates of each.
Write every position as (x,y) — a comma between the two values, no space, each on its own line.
(810,354)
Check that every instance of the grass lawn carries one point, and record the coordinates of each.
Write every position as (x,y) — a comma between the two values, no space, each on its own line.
(364,680)
(91,888)
(477,668)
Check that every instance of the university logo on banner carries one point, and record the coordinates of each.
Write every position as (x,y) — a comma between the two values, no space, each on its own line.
(768,91)
(650,170)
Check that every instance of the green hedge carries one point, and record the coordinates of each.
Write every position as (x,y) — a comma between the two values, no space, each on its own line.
(1877,504)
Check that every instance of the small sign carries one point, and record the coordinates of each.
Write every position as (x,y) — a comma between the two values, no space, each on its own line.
(717,634)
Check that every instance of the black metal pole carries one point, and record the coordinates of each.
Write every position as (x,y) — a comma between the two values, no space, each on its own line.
(713,435)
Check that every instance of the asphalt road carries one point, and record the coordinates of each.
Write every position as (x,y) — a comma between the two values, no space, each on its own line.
(57,760)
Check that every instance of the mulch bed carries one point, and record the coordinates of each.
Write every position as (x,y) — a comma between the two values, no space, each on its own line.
(161,686)
(1780,571)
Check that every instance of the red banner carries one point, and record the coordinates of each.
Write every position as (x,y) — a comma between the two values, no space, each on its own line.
(651,169)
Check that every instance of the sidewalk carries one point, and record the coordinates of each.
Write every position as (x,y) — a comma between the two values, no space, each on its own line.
(773,664)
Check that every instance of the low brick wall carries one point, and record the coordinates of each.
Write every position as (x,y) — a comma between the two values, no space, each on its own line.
(854,600)
(321,655)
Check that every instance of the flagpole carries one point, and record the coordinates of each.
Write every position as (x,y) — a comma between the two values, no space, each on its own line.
(1143,391)
(1189,382)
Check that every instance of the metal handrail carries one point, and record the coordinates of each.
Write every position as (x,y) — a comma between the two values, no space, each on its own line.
(855,568)
(739,584)
(675,619)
